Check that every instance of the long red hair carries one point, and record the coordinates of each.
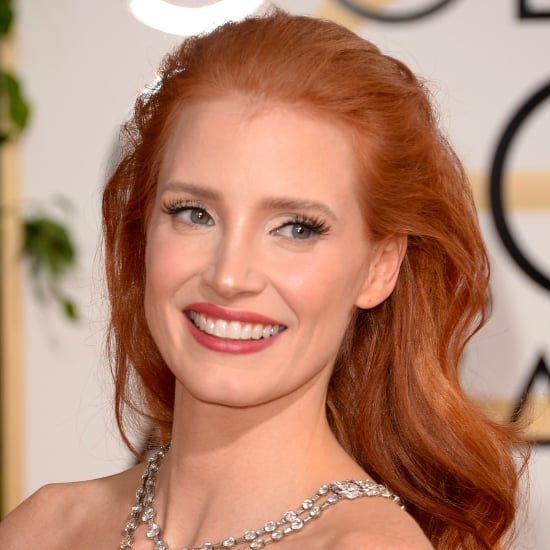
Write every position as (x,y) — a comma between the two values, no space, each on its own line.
(394,400)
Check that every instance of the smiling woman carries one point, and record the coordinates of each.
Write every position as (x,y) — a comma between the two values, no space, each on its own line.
(294,268)
(264,229)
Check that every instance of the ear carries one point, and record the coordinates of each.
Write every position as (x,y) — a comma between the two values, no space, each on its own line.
(382,271)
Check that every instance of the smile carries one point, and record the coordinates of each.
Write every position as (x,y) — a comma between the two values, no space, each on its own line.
(232,330)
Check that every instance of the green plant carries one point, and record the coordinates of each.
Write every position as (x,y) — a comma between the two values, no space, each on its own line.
(47,243)
(50,252)
(15,109)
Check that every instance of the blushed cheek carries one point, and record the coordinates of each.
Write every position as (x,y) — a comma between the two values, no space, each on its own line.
(170,262)
(160,269)
(325,287)
(162,253)
(151,284)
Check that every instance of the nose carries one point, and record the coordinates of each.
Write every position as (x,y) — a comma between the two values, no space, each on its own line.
(235,268)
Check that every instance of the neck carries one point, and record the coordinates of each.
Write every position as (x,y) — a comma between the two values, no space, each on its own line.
(229,468)
(271,531)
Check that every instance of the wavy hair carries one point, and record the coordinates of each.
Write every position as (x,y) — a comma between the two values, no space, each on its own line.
(394,401)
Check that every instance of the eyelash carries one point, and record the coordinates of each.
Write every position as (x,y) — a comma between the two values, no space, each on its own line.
(317,226)
(176,207)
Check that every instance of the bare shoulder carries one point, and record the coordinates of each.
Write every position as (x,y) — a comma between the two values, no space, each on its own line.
(396,529)
(376,524)
(59,516)
(366,538)
(32,523)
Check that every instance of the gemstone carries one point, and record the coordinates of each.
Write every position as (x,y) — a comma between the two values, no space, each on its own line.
(148,514)
(131,525)
(350,490)
(126,542)
(161,545)
(229,542)
(297,524)
(315,511)
(206,546)
(307,504)
(290,516)
(277,534)
(249,535)
(153,530)
(323,490)
(332,499)
(258,543)
(270,526)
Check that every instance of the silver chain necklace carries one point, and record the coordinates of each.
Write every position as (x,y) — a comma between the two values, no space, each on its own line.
(272,531)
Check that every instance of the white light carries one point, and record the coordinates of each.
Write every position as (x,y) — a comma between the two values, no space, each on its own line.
(185,21)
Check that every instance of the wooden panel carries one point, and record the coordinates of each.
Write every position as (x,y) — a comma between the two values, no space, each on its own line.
(10,321)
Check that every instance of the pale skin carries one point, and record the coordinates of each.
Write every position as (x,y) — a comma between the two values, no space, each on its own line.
(231,226)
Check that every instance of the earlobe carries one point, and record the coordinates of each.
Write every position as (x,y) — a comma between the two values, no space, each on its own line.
(383,271)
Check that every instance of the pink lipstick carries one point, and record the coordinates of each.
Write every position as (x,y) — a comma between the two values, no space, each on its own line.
(231,331)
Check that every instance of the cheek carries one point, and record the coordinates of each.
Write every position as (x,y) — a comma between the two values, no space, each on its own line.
(166,268)
(324,285)
(168,260)
(160,263)
(157,273)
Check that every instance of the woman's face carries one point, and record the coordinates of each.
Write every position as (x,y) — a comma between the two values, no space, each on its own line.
(257,252)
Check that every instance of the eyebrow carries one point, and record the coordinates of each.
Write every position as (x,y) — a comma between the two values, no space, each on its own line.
(283,203)
(270,203)
(193,189)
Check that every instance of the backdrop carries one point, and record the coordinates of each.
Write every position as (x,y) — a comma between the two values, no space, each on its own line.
(487,61)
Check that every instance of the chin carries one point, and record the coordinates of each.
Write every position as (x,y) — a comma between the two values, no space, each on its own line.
(235,393)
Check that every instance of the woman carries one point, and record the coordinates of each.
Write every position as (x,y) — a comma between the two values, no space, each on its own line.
(294,267)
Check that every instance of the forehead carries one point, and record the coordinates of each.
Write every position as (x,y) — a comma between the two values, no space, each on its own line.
(245,155)
(273,130)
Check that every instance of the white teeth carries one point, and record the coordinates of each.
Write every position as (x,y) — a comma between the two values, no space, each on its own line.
(210,326)
(233,330)
(257,332)
(220,328)
(246,333)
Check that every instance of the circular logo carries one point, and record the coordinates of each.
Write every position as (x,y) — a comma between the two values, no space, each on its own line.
(416,11)
(497,173)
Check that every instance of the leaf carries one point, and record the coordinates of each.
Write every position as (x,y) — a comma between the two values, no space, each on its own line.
(49,249)
(6,17)
(18,108)
(48,246)
(69,309)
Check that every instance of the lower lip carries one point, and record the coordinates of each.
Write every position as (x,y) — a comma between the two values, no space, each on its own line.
(226,345)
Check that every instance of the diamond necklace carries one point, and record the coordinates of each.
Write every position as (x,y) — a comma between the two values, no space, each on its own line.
(272,531)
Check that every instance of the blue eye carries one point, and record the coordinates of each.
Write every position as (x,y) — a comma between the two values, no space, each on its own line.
(189,213)
(302,229)
(295,231)
(196,215)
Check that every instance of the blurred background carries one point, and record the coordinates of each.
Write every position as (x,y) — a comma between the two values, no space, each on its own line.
(81,65)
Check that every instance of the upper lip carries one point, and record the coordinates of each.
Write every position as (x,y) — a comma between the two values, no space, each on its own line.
(217,312)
